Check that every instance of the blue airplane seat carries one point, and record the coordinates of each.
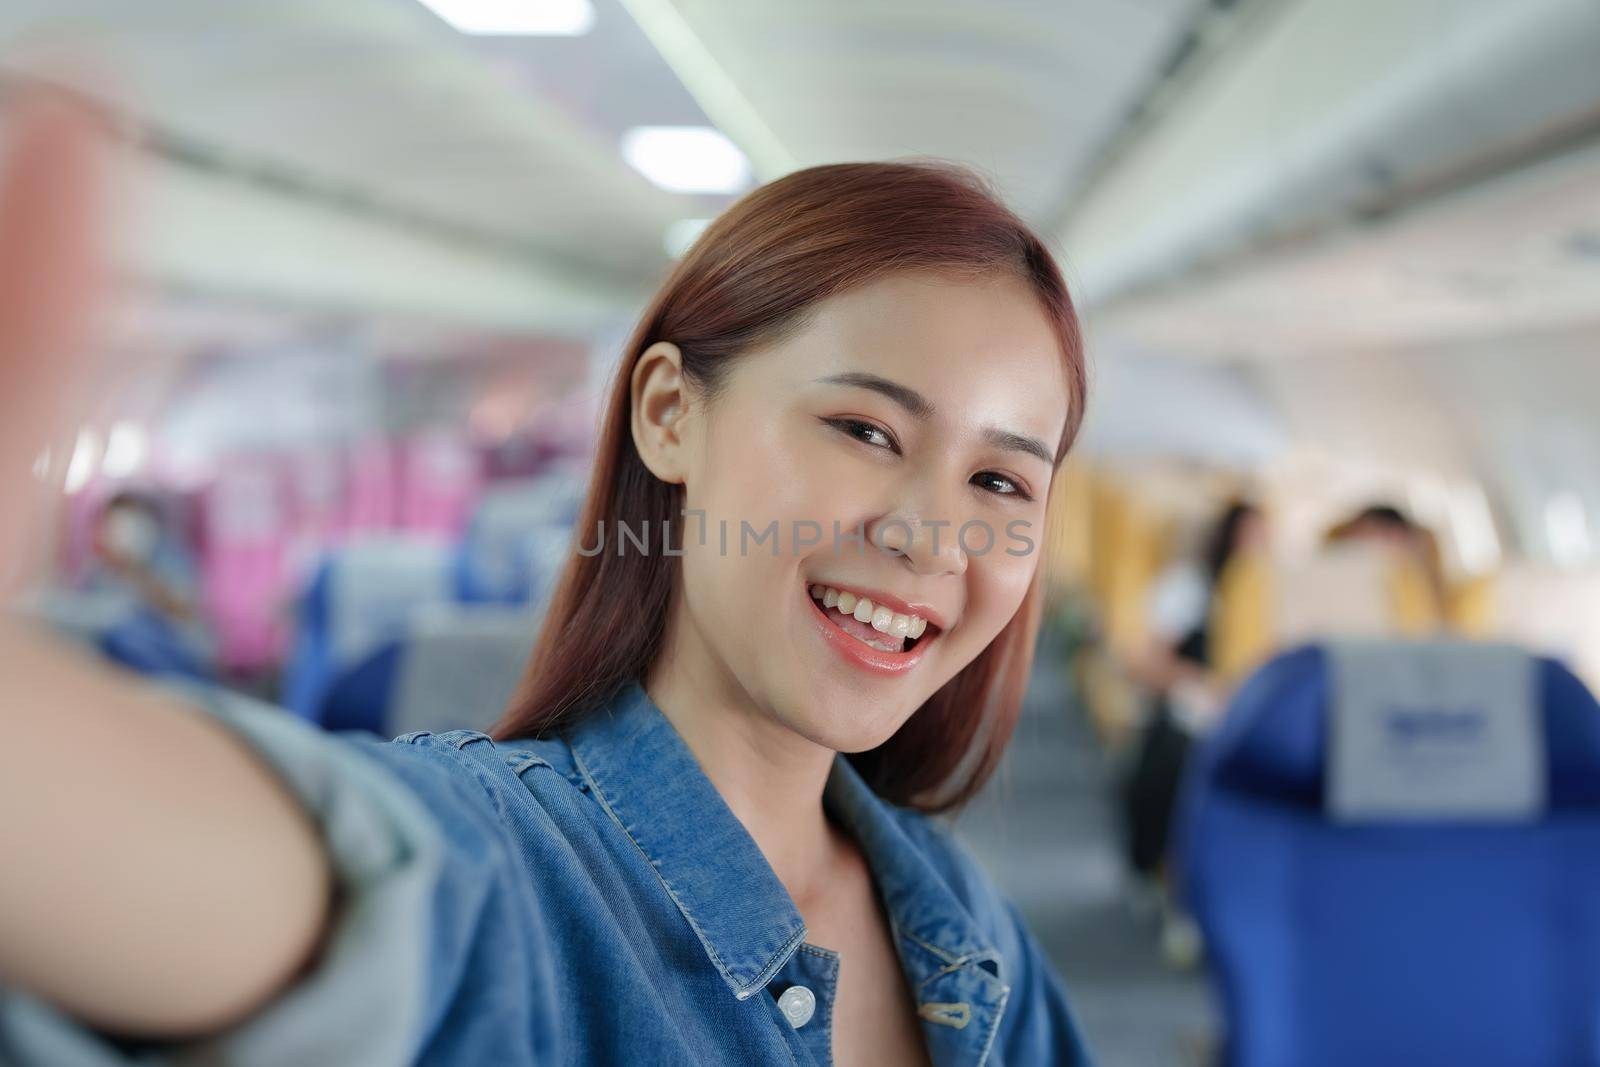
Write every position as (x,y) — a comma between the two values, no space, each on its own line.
(360,596)
(144,641)
(1393,851)
(511,570)
(454,667)
(124,630)
(359,697)
(504,556)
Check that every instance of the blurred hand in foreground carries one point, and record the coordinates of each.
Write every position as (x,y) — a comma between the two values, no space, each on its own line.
(52,274)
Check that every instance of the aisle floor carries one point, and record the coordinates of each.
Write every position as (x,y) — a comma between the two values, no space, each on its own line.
(1046,829)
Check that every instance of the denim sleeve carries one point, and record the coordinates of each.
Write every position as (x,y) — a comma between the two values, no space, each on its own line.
(432,912)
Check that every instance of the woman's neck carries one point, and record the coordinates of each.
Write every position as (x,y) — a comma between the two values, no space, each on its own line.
(771,778)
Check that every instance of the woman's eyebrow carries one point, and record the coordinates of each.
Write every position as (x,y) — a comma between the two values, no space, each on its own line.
(914,402)
(1007,441)
(922,408)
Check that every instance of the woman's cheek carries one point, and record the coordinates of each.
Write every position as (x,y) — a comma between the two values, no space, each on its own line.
(768,475)
(1003,582)
(810,487)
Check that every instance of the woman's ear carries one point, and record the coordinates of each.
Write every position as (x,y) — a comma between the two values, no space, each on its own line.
(660,400)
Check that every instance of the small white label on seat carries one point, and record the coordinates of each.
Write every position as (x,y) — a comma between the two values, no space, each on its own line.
(1445,730)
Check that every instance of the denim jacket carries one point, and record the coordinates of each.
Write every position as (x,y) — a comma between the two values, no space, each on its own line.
(590,899)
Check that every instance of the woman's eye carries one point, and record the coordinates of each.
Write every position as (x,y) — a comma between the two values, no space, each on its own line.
(999,485)
(867,433)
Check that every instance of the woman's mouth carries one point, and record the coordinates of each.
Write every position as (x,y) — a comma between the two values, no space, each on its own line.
(874,625)
(866,634)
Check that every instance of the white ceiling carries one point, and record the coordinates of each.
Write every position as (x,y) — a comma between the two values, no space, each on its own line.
(1357,173)
(1501,259)
(361,155)
(375,100)
(1027,90)
(507,147)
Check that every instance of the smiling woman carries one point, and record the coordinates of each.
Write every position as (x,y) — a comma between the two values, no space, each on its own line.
(877,347)
(884,353)
(695,838)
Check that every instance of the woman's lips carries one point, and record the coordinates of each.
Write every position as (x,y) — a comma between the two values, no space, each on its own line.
(832,625)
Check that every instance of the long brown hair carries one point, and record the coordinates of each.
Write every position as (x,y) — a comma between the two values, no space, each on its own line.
(749,280)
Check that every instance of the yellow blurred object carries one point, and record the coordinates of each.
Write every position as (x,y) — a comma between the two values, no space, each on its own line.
(1102,541)
(1244,624)
(1472,606)
(1128,549)
(1414,600)
(1069,531)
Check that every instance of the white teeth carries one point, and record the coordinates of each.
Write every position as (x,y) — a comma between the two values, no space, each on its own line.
(885,620)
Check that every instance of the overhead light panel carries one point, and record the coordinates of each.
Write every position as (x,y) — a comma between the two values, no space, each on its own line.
(517,18)
(687,159)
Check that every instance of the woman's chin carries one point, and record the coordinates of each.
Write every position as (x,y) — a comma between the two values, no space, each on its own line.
(847,724)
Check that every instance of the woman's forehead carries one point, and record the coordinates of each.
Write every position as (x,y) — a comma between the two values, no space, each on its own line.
(976,348)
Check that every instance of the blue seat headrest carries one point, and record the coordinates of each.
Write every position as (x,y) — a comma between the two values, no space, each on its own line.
(1274,743)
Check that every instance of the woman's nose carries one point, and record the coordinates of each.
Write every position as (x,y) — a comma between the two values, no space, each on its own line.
(928,543)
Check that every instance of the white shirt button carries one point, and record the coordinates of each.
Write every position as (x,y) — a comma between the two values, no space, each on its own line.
(798,1004)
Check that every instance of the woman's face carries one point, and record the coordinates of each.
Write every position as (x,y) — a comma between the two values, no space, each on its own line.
(922,411)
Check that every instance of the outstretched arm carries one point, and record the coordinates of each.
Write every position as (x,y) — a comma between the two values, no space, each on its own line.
(159,880)
(155,878)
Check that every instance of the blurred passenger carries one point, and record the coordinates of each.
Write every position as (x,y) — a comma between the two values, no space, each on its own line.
(145,582)
(1178,667)
(1420,594)
(135,553)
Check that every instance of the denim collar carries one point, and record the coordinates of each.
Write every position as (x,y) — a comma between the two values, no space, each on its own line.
(644,775)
